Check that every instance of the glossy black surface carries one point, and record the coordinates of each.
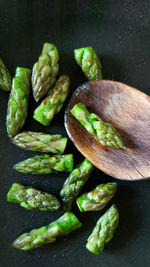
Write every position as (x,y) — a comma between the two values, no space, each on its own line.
(119,32)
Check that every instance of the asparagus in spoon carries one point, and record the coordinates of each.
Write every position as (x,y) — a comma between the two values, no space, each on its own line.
(103,132)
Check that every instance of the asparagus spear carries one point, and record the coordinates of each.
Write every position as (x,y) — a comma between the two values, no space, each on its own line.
(98,198)
(41,142)
(103,132)
(48,234)
(74,183)
(89,62)
(103,231)
(5,78)
(31,198)
(18,101)
(53,102)
(44,71)
(45,164)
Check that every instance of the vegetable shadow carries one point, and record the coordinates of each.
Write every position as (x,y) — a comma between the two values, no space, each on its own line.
(128,142)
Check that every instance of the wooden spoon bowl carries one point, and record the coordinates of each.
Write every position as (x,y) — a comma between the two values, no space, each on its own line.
(128,110)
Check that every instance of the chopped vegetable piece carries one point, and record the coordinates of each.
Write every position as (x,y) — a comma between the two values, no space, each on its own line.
(45,71)
(103,231)
(5,78)
(45,164)
(74,183)
(89,62)
(98,198)
(41,142)
(18,101)
(52,104)
(31,198)
(48,234)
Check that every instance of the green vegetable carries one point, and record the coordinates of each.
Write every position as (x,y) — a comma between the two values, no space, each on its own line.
(45,71)
(31,198)
(89,62)
(41,142)
(48,234)
(5,78)
(98,198)
(45,164)
(103,231)
(74,183)
(18,101)
(53,102)
(103,132)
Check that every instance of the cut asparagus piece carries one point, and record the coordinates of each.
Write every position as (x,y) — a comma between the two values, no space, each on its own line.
(5,78)
(89,62)
(45,164)
(74,183)
(52,104)
(45,71)
(103,132)
(31,198)
(41,142)
(18,101)
(48,234)
(103,231)
(98,198)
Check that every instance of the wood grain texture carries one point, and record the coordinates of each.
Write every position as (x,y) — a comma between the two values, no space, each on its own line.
(129,111)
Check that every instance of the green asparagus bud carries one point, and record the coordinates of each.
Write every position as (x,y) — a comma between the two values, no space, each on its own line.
(103,132)
(5,78)
(53,102)
(89,62)
(18,101)
(44,71)
(48,234)
(31,198)
(41,142)
(45,164)
(98,198)
(74,183)
(103,231)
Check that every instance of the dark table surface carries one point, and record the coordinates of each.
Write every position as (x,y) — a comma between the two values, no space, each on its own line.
(119,32)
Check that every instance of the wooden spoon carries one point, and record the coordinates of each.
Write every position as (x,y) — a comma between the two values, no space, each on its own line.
(129,111)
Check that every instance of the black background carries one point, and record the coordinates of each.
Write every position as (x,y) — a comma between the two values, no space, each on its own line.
(119,31)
